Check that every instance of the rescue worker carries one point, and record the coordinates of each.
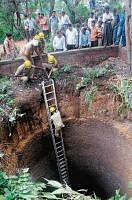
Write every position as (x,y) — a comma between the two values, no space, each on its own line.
(30,48)
(50,65)
(41,42)
(25,71)
(56,119)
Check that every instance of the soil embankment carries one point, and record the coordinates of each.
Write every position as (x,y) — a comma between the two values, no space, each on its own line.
(98,140)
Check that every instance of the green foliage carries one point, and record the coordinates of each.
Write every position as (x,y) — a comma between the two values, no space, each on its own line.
(118,196)
(7,109)
(123,90)
(92,74)
(89,75)
(82,12)
(89,95)
(49,46)
(22,187)
(60,71)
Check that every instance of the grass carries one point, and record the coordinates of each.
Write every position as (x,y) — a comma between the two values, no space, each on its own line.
(123,91)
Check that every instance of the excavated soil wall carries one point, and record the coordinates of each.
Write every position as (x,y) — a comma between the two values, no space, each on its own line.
(98,147)
(88,57)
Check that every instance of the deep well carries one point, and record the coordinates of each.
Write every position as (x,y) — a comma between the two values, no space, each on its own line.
(98,147)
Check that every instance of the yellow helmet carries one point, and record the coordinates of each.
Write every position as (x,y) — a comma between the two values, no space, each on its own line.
(27,64)
(51,59)
(41,35)
(52,109)
(36,37)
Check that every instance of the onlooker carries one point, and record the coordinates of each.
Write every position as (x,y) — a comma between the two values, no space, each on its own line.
(64,20)
(107,19)
(92,4)
(71,37)
(44,24)
(85,38)
(53,21)
(9,47)
(115,25)
(121,31)
(59,42)
(100,33)
(38,19)
(94,35)
(26,27)
(91,18)
(31,26)
(78,28)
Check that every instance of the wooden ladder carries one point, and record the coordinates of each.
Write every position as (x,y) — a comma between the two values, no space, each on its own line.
(51,100)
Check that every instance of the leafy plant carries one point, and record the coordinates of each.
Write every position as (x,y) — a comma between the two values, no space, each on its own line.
(60,71)
(123,90)
(89,96)
(90,73)
(118,196)
(21,186)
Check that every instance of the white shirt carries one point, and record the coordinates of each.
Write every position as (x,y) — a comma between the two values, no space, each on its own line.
(90,21)
(64,20)
(108,16)
(31,24)
(71,36)
(59,43)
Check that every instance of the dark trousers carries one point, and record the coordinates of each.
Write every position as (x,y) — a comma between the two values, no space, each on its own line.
(94,43)
(108,34)
(70,47)
(121,36)
(57,50)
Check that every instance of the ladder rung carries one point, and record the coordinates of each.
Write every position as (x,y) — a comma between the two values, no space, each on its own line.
(65,176)
(59,147)
(62,159)
(62,162)
(58,143)
(60,151)
(50,99)
(64,173)
(61,156)
(48,85)
(63,166)
(63,169)
(49,92)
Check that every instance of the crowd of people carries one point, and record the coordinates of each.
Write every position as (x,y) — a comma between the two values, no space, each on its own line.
(103,29)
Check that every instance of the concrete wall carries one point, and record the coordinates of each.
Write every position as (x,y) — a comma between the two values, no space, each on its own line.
(82,57)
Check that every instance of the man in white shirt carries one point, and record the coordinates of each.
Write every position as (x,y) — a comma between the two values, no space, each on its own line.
(108,31)
(71,37)
(91,18)
(59,42)
(31,26)
(64,20)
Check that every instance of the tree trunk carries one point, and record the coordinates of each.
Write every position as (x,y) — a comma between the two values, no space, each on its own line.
(52,5)
(129,33)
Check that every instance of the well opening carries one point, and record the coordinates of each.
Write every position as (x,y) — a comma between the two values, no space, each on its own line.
(95,157)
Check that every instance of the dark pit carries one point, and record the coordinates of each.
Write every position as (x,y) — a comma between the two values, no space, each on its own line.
(99,158)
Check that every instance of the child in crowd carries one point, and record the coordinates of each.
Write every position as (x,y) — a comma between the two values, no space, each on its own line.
(100,33)
(94,34)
